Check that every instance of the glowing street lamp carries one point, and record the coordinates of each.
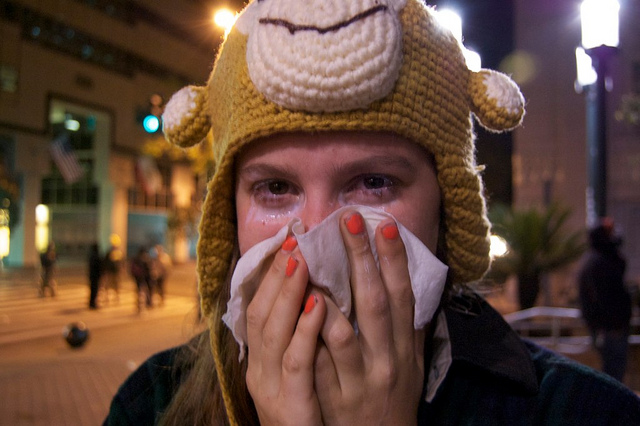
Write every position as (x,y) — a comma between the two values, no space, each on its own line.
(600,23)
(452,21)
(498,246)
(600,28)
(224,18)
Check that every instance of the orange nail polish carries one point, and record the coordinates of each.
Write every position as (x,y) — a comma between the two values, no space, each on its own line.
(311,303)
(390,231)
(290,243)
(355,224)
(292,264)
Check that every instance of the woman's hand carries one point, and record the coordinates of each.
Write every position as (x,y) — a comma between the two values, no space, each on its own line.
(375,376)
(282,343)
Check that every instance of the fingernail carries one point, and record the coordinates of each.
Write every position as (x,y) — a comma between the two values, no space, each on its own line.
(311,303)
(290,243)
(355,224)
(292,264)
(390,231)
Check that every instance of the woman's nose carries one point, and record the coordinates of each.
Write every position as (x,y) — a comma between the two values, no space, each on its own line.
(317,211)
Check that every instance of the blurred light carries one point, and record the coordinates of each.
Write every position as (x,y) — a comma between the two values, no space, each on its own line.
(473,60)
(224,19)
(5,239)
(72,125)
(520,65)
(42,227)
(156,99)
(4,233)
(151,123)
(114,240)
(586,73)
(91,123)
(599,23)
(498,247)
(42,214)
(452,21)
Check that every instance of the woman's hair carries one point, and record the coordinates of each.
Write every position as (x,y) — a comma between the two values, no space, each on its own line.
(199,399)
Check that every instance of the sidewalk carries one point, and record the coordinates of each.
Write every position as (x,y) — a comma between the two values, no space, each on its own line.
(43,380)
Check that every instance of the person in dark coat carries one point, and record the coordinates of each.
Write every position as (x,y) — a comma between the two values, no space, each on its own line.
(606,303)
(48,260)
(141,273)
(95,270)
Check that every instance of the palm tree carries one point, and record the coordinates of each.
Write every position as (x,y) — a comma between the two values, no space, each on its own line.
(538,244)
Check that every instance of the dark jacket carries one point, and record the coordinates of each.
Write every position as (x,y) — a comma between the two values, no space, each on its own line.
(495,379)
(605,302)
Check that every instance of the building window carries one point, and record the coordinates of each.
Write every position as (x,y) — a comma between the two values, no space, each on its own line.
(8,78)
(79,131)
(159,199)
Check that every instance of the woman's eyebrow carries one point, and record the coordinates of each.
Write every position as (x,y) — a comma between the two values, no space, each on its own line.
(374,162)
(263,169)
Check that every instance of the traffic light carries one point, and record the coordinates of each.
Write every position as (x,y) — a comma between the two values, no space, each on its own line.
(151,116)
(151,123)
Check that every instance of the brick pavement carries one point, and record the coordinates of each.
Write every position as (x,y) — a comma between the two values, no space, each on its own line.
(43,381)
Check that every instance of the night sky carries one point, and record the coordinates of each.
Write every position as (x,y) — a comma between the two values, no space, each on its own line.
(488,28)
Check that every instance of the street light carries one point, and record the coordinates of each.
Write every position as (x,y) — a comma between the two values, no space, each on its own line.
(600,39)
(224,18)
(453,22)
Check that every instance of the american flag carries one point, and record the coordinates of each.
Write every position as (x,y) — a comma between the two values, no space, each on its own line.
(148,174)
(65,159)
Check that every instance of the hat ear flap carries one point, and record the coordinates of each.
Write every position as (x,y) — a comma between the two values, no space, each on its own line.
(185,119)
(496,100)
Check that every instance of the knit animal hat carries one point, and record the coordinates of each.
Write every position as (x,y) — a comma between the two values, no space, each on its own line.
(378,65)
(329,65)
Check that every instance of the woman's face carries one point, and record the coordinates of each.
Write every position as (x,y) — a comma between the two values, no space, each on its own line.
(311,175)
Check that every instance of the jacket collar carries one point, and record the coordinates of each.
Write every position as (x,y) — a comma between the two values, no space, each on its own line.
(470,331)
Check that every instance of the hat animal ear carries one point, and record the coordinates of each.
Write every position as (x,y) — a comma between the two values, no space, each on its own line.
(185,119)
(496,100)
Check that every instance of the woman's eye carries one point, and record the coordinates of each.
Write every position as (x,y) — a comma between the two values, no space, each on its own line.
(278,187)
(371,189)
(274,193)
(376,182)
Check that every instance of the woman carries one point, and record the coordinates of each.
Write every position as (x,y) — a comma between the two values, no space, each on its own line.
(316,110)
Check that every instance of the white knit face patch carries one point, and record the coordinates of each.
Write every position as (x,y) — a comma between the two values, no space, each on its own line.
(181,104)
(504,91)
(323,55)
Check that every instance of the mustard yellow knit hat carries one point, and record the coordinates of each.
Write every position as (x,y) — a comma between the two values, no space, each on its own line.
(345,65)
(321,65)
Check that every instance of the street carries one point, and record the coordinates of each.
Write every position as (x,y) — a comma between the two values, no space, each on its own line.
(44,381)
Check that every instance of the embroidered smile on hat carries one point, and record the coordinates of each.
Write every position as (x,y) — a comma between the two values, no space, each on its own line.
(323,65)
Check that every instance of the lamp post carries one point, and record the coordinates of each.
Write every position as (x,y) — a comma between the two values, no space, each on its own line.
(599,20)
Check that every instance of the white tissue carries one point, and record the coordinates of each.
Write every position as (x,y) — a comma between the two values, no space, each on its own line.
(326,258)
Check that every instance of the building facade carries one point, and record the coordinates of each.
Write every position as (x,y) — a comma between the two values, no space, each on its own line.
(84,73)
(550,154)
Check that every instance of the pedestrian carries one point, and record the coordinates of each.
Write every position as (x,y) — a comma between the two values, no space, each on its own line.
(141,273)
(605,301)
(342,233)
(95,271)
(112,268)
(48,260)
(160,266)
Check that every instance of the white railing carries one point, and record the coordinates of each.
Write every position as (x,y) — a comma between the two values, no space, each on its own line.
(552,321)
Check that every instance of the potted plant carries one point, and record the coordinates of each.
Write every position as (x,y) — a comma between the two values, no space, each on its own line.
(538,242)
